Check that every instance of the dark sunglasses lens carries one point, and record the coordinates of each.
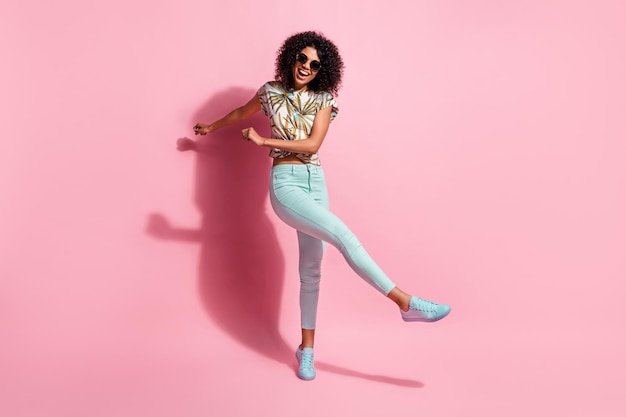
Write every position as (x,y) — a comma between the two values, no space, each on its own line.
(302,58)
(315,65)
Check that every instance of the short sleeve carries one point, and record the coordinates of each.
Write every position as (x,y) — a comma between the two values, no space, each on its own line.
(327,100)
(263,96)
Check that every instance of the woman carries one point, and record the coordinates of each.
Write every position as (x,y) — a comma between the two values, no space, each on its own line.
(300,104)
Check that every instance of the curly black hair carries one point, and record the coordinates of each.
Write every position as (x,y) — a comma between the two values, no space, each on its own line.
(328,77)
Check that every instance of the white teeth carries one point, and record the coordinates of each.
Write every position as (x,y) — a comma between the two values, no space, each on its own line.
(304,74)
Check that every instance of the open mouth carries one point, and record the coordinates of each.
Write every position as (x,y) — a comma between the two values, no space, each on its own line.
(303,73)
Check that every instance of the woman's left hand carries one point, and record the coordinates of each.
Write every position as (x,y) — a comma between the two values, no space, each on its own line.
(251,135)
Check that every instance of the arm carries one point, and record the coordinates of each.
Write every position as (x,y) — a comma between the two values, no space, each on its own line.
(309,145)
(238,115)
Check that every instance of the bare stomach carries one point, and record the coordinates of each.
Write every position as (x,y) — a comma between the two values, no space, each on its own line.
(291,159)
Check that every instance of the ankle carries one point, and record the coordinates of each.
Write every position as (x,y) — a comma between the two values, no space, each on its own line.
(401,298)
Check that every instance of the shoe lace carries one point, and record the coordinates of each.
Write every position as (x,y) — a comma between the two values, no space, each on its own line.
(425,306)
(306,362)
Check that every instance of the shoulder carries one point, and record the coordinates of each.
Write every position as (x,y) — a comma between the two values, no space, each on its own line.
(326,96)
(325,99)
(272,87)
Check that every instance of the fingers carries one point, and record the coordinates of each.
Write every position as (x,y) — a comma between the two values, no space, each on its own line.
(200,129)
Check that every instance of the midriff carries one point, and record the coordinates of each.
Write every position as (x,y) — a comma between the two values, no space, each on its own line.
(291,159)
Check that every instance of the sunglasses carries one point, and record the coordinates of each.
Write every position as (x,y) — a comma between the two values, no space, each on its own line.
(303,59)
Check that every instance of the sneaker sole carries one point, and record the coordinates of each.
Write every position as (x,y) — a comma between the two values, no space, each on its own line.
(311,378)
(411,319)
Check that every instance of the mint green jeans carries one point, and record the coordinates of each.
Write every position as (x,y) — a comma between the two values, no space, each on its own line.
(299,198)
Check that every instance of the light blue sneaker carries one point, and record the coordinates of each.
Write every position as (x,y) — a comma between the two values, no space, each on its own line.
(424,310)
(306,370)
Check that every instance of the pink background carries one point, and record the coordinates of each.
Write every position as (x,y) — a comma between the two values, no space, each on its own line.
(478,154)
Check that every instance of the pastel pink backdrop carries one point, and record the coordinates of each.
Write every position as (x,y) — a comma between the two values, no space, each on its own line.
(478,154)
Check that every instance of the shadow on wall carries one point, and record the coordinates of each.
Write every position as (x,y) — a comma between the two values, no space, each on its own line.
(241,268)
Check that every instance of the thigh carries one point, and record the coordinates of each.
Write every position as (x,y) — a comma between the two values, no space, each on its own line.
(298,209)
(317,186)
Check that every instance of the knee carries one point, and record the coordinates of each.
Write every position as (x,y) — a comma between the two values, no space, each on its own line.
(310,270)
(310,275)
(348,242)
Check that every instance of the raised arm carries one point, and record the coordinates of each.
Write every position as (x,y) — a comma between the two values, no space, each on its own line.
(309,145)
(238,115)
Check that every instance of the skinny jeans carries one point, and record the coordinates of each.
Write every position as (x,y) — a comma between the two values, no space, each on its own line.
(299,197)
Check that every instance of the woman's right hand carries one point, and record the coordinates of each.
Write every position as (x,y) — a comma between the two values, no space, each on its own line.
(185,144)
(201,129)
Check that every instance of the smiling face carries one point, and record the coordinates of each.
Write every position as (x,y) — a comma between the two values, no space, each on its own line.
(302,73)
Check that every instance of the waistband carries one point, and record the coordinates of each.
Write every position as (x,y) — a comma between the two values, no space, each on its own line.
(295,168)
